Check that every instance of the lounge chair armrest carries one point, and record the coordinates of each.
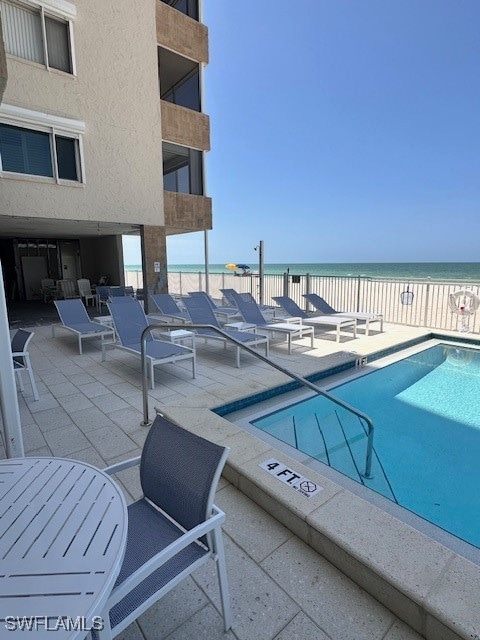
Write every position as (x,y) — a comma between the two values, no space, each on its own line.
(120,466)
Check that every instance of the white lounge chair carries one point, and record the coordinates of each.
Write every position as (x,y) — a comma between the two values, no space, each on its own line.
(201,313)
(75,318)
(317,321)
(360,316)
(252,313)
(130,320)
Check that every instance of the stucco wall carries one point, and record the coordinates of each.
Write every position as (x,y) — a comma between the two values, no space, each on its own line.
(116,94)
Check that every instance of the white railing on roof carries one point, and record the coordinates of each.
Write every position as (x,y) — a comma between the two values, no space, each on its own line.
(429,308)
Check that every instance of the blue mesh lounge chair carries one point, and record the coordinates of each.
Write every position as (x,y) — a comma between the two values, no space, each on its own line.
(316,321)
(200,312)
(75,318)
(174,528)
(168,308)
(130,320)
(251,313)
(21,359)
(361,317)
(224,314)
(247,296)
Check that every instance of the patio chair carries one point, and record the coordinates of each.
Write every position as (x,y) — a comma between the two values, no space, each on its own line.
(85,291)
(225,314)
(174,528)
(48,289)
(102,296)
(200,312)
(247,296)
(130,320)
(251,313)
(21,359)
(361,317)
(66,289)
(75,318)
(116,291)
(316,321)
(168,308)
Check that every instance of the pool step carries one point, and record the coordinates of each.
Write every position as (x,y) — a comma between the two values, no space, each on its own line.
(344,441)
(336,438)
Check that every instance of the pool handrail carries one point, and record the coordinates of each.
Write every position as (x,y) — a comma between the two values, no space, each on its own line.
(146,422)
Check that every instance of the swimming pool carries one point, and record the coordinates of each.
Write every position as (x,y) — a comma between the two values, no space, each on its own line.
(426,411)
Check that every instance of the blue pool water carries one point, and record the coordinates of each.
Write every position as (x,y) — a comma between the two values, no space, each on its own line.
(426,412)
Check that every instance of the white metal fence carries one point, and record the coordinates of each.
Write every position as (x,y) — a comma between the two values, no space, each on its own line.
(429,308)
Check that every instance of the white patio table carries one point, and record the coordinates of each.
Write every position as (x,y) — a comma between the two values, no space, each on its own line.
(63,529)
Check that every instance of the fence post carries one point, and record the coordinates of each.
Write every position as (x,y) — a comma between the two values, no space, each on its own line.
(307,290)
(285,284)
(427,301)
(359,282)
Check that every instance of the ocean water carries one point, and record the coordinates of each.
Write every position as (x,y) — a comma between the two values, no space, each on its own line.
(466,271)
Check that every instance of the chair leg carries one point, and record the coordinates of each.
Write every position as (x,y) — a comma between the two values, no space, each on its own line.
(32,379)
(19,379)
(223,578)
(237,357)
(80,344)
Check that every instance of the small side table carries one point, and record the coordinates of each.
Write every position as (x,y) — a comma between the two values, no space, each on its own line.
(177,336)
(240,326)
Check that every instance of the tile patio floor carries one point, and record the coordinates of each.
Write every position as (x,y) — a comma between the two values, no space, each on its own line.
(280,588)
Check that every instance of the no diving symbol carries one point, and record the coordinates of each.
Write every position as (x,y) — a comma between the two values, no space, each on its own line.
(308,486)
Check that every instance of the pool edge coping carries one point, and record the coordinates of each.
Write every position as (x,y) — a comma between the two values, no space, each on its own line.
(427,585)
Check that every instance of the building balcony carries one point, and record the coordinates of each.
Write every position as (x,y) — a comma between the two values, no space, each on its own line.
(181,34)
(185,127)
(185,213)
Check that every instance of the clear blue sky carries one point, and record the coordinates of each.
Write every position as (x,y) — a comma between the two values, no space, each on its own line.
(342,131)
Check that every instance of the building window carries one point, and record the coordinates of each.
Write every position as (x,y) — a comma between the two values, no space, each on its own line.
(179,79)
(39,153)
(182,169)
(188,7)
(32,33)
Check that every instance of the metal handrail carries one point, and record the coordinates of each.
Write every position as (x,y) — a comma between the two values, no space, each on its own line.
(146,422)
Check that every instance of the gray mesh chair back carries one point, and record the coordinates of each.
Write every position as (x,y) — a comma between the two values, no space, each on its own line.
(116,291)
(129,319)
(167,305)
(290,306)
(319,303)
(21,359)
(72,312)
(200,312)
(250,311)
(178,470)
(19,344)
(102,293)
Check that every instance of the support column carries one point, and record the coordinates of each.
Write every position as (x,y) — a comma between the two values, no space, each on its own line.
(154,261)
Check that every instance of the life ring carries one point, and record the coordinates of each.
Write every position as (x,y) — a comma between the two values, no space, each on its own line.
(463,302)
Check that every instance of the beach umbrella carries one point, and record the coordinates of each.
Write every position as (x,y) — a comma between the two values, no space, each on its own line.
(243,266)
(232,266)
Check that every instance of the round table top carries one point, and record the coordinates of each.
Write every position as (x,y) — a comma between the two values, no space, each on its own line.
(63,528)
